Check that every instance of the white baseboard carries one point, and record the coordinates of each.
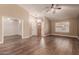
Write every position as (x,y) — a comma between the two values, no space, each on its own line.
(1,42)
(45,35)
(53,34)
(41,35)
(26,37)
(33,35)
(65,35)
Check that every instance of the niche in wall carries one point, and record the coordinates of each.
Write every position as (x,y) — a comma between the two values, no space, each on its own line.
(12,27)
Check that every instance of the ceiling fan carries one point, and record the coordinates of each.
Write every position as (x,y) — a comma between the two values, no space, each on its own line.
(53,8)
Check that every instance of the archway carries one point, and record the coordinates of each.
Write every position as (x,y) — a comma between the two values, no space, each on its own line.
(12,29)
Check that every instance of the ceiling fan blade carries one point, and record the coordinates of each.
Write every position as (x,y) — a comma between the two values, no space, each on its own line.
(52,8)
(52,5)
(57,8)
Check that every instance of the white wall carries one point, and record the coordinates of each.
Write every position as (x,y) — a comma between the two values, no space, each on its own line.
(45,27)
(11,27)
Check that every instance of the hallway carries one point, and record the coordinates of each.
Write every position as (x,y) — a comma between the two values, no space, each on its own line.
(50,45)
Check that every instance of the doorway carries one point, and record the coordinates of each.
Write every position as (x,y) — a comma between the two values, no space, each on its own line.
(36,26)
(39,28)
(12,29)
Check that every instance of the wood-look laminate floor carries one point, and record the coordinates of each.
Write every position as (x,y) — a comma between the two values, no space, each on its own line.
(50,45)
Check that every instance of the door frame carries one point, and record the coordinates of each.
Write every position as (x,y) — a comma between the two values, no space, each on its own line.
(39,29)
(41,26)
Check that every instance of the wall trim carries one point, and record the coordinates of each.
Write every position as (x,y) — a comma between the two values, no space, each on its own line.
(2,30)
(65,35)
(1,42)
(13,35)
(46,35)
(26,37)
(52,34)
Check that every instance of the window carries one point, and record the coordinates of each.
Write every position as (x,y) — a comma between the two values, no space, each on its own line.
(62,26)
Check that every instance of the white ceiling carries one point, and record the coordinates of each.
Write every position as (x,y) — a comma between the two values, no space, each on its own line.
(39,10)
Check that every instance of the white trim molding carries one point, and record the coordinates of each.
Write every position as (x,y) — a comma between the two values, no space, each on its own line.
(24,37)
(1,42)
(2,30)
(46,35)
(65,35)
